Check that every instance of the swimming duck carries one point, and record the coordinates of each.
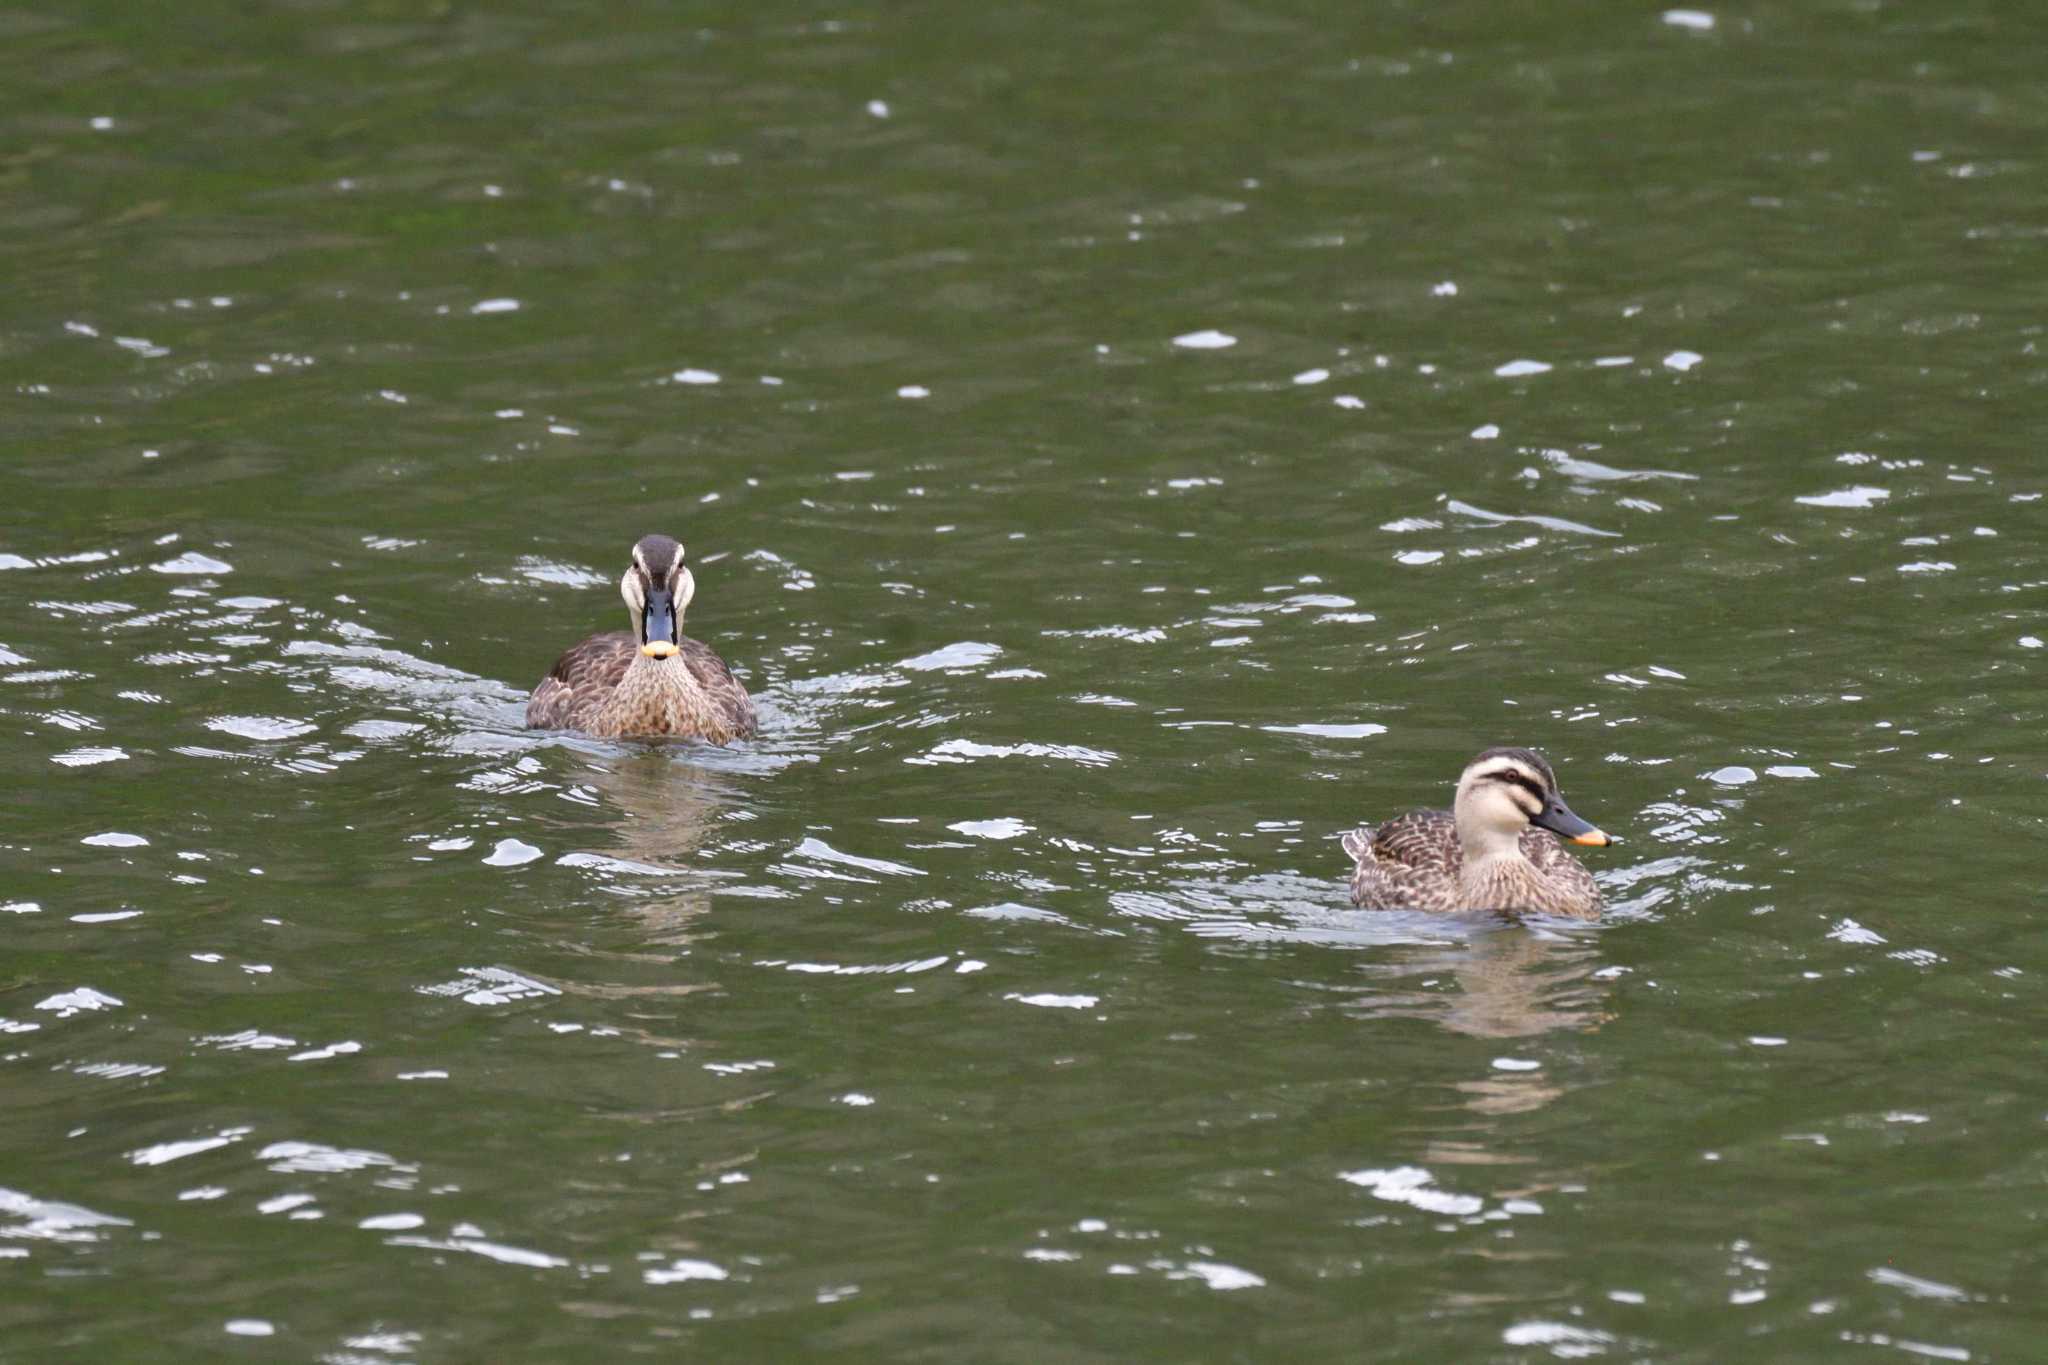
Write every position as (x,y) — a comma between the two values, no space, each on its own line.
(652,683)
(1497,849)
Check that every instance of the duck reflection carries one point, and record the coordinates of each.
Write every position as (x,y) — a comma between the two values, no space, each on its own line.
(663,811)
(666,809)
(1514,981)
(1518,981)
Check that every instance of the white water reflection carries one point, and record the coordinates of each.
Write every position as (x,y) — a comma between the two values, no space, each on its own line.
(1862,495)
(820,851)
(961,657)
(192,562)
(1362,730)
(1549,523)
(512,853)
(1414,1186)
(500,1252)
(23,1217)
(261,727)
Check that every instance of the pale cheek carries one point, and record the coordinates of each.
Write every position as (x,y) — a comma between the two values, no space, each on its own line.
(1507,815)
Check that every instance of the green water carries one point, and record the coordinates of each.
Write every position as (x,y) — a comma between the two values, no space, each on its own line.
(1003,1001)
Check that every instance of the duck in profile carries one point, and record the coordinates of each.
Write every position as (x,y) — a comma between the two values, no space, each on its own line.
(652,683)
(1497,849)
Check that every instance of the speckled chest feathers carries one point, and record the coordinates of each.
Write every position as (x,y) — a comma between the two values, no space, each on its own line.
(664,697)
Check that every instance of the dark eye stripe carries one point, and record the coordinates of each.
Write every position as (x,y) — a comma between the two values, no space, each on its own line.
(1514,779)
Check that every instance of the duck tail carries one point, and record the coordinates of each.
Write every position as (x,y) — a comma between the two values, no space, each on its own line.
(1357,843)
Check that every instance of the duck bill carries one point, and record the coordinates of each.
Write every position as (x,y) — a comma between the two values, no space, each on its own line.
(658,627)
(1562,821)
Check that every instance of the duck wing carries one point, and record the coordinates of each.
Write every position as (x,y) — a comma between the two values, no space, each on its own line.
(1410,862)
(727,692)
(580,681)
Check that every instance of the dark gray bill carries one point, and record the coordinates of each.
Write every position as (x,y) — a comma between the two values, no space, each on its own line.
(1560,820)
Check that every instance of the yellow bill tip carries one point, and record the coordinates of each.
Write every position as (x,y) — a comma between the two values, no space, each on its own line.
(1593,838)
(659,649)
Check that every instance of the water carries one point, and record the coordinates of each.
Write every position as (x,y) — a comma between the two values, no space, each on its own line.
(1121,449)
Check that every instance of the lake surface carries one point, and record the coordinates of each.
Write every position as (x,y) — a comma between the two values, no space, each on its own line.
(1122,448)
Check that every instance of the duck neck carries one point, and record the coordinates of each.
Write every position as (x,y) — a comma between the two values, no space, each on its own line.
(1492,857)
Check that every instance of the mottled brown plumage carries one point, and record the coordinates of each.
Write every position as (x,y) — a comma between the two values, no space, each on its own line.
(588,690)
(654,682)
(1484,856)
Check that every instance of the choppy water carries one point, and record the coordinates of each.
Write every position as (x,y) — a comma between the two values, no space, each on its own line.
(1122,449)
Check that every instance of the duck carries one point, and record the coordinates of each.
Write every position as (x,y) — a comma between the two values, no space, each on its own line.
(1498,848)
(651,682)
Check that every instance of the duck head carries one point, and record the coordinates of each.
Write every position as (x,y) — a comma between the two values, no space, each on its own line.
(657,588)
(1502,793)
